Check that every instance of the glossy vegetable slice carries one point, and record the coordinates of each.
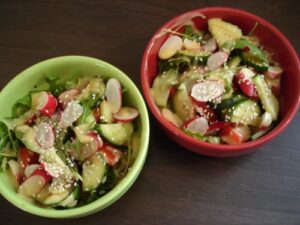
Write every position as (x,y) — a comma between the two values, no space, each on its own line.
(113,94)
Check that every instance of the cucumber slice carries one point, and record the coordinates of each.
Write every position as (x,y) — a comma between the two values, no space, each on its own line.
(26,134)
(213,139)
(261,133)
(268,100)
(72,199)
(161,87)
(95,87)
(228,103)
(247,112)
(116,133)
(106,113)
(234,62)
(182,105)
(93,171)
(223,31)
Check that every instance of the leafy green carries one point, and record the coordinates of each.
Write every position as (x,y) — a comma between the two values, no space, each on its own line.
(57,84)
(21,106)
(192,33)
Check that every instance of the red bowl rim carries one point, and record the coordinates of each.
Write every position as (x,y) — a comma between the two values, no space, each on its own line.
(229,148)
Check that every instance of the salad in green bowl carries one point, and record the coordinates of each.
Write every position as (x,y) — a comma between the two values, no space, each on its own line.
(217,85)
(70,143)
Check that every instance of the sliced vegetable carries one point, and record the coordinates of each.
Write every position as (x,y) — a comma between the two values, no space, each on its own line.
(30,169)
(72,113)
(170,47)
(223,31)
(16,170)
(273,72)
(235,134)
(44,102)
(161,87)
(183,106)
(216,60)
(27,157)
(266,121)
(172,117)
(116,133)
(207,91)
(126,114)
(191,45)
(44,135)
(113,94)
(68,96)
(110,154)
(93,172)
(210,45)
(106,112)
(268,100)
(197,125)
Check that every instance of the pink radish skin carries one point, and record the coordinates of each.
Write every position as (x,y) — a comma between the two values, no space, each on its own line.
(207,90)
(113,94)
(44,135)
(216,60)
(126,114)
(273,72)
(67,96)
(210,45)
(30,169)
(197,125)
(46,104)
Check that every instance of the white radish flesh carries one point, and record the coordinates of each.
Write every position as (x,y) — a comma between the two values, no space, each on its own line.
(170,47)
(210,45)
(30,169)
(207,90)
(90,148)
(247,73)
(273,72)
(266,120)
(197,126)
(113,94)
(191,45)
(32,186)
(216,60)
(72,112)
(44,135)
(243,131)
(67,96)
(44,102)
(172,117)
(126,114)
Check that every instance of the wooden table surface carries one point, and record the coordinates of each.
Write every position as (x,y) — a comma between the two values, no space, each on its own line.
(175,186)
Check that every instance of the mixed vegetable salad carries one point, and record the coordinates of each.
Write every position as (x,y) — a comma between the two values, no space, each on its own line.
(70,144)
(219,86)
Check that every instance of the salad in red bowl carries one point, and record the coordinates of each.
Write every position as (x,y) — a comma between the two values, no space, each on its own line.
(220,80)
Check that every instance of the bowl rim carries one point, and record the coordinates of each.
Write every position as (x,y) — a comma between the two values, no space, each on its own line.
(119,190)
(238,148)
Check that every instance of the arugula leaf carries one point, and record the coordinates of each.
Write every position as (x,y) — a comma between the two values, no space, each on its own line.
(21,106)
(192,33)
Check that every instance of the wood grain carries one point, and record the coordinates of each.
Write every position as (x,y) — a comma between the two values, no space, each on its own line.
(175,186)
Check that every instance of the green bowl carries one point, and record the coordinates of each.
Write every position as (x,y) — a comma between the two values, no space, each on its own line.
(67,65)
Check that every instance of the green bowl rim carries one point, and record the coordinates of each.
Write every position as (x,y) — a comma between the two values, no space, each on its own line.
(121,188)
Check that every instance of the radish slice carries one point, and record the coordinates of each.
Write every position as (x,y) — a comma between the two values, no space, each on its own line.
(73,111)
(68,96)
(191,45)
(30,169)
(45,103)
(243,80)
(170,47)
(113,94)
(15,170)
(41,172)
(44,135)
(32,186)
(235,135)
(205,110)
(216,60)
(273,72)
(266,121)
(88,149)
(198,125)
(111,155)
(207,90)
(210,45)
(126,114)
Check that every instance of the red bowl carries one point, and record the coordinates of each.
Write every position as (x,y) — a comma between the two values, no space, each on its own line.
(273,41)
